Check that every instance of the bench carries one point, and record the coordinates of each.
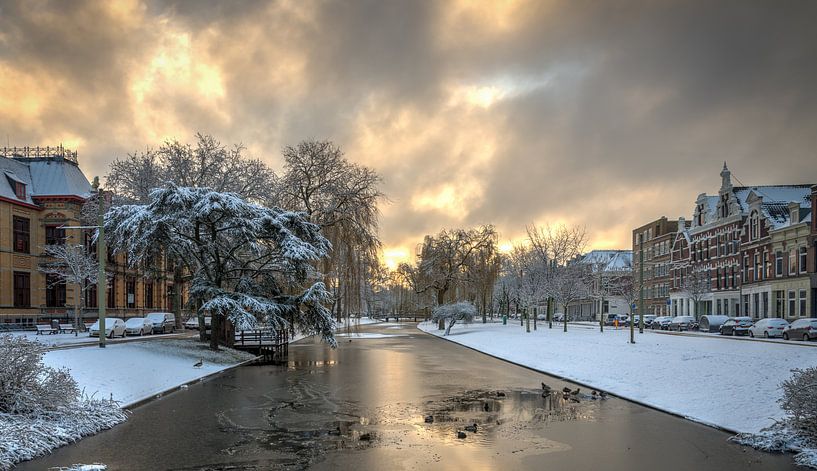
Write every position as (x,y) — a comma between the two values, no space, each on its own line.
(67,329)
(45,329)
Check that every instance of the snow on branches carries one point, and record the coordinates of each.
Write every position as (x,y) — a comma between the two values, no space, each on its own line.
(451,313)
(248,263)
(40,407)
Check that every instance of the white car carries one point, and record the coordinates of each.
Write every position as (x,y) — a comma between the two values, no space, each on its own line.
(138,326)
(193,323)
(770,327)
(113,326)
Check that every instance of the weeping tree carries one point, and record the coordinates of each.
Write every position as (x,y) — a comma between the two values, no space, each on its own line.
(248,263)
(341,197)
(450,314)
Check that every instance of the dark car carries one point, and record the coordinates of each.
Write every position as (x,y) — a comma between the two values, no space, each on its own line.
(681,323)
(661,323)
(736,326)
(805,329)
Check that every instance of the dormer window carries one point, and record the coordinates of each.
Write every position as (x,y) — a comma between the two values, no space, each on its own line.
(754,226)
(20,190)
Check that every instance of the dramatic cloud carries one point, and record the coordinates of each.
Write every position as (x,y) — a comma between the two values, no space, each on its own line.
(606,114)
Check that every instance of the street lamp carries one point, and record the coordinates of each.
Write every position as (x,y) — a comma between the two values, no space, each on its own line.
(102,257)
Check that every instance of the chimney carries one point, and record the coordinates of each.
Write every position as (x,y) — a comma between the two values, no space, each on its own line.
(682,224)
(813,209)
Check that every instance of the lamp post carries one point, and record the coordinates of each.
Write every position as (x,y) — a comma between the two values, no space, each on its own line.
(641,284)
(102,257)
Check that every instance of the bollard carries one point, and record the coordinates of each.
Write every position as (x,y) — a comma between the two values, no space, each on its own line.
(504,320)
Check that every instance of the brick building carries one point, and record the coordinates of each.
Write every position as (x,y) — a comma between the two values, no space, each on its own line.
(729,247)
(658,238)
(40,202)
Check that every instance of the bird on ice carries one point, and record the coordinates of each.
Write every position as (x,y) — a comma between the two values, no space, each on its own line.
(199,363)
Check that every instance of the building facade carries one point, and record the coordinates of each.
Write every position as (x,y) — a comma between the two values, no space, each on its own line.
(41,198)
(656,239)
(724,262)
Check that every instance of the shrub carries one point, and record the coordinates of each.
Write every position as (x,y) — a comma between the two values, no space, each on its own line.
(26,385)
(451,313)
(800,401)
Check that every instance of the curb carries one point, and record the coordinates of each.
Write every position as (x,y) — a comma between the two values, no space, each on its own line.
(206,377)
(586,385)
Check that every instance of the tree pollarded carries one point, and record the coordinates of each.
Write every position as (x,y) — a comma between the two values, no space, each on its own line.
(247,262)
(451,313)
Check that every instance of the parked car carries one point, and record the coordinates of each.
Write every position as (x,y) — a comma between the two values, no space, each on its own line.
(661,323)
(770,327)
(736,326)
(114,326)
(163,322)
(648,319)
(193,323)
(805,329)
(138,326)
(542,317)
(558,317)
(681,323)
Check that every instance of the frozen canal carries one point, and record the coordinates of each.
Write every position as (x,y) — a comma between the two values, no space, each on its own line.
(363,406)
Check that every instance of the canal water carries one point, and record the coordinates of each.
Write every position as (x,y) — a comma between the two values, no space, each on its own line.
(390,398)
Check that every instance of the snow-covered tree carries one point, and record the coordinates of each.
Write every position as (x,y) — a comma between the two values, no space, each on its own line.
(800,401)
(451,313)
(247,262)
(71,264)
(695,283)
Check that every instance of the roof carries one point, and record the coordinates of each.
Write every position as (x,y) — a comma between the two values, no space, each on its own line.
(42,177)
(772,194)
(610,260)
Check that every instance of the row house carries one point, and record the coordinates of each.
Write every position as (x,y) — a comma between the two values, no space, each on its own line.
(606,269)
(726,261)
(656,239)
(41,198)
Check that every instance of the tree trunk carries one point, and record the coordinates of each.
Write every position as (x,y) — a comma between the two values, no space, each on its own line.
(550,313)
(527,320)
(564,316)
(77,314)
(450,325)
(177,296)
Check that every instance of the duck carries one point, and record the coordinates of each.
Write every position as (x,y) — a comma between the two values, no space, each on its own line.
(199,363)
(576,392)
(471,428)
(545,387)
(461,435)
(429,419)
(565,396)
(603,395)
(574,399)
(566,390)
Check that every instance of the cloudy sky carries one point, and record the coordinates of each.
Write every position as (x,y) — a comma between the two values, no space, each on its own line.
(605,114)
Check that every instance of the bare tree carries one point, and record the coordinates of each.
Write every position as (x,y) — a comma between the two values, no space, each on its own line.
(695,283)
(71,264)
(528,277)
(557,247)
(445,260)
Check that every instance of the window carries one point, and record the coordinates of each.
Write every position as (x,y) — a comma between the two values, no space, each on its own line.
(21,234)
(54,291)
(91,296)
(753,226)
(803,256)
(802,311)
(778,264)
(54,235)
(765,304)
(792,303)
(792,261)
(112,292)
(780,303)
(20,190)
(22,289)
(130,291)
(148,293)
(756,299)
(757,266)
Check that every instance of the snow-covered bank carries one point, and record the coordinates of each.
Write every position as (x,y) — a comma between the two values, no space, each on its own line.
(732,385)
(131,372)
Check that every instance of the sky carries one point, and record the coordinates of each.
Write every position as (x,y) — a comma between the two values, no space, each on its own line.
(601,114)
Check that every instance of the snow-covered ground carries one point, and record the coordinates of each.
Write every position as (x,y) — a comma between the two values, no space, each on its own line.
(134,371)
(59,340)
(729,384)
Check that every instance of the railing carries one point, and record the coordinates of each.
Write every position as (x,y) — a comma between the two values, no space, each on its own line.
(38,152)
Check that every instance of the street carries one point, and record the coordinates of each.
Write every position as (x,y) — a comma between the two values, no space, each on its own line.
(363,405)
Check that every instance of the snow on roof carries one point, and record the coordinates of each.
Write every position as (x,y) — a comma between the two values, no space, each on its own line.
(610,260)
(58,177)
(775,194)
(15,171)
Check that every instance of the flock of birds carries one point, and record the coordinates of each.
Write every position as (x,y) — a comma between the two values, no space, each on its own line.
(572,395)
